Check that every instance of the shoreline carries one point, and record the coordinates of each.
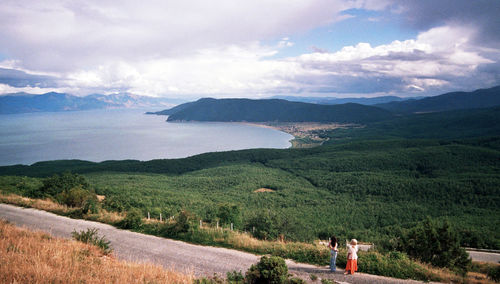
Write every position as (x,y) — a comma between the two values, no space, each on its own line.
(305,133)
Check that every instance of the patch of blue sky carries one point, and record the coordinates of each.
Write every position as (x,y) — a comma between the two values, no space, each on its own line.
(375,28)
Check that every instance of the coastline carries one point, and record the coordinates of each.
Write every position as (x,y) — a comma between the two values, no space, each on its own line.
(306,134)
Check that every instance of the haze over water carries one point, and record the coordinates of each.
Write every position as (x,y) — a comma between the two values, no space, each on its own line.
(121,134)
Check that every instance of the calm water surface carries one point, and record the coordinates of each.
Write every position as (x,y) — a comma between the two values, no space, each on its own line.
(121,134)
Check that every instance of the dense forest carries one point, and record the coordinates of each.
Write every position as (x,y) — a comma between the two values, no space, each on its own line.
(482,98)
(372,182)
(273,110)
(369,190)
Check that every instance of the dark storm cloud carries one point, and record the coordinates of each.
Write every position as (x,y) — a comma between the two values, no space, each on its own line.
(416,55)
(483,15)
(19,79)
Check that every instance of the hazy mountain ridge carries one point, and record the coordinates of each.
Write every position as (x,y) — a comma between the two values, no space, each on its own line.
(55,102)
(481,98)
(337,101)
(226,110)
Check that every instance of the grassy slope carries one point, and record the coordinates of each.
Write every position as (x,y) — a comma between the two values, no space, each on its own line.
(35,257)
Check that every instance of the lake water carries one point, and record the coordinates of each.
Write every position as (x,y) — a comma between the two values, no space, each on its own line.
(121,134)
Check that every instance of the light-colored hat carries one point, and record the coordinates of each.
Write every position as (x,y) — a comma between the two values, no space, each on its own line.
(354,242)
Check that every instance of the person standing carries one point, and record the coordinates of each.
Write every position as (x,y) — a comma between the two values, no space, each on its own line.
(352,257)
(333,253)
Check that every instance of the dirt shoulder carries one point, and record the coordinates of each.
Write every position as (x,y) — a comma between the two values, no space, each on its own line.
(176,255)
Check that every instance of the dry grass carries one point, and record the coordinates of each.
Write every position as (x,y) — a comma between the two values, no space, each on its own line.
(51,206)
(262,189)
(44,204)
(35,257)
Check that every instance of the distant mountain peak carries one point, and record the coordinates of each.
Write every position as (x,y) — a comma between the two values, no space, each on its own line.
(54,101)
(481,98)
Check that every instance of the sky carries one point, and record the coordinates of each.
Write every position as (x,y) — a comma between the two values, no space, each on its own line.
(255,49)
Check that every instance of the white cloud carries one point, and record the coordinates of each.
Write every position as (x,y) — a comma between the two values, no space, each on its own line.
(215,48)
(7,89)
(61,35)
(436,58)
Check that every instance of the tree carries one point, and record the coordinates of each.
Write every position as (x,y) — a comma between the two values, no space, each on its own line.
(133,220)
(228,214)
(57,184)
(437,245)
(262,226)
(75,197)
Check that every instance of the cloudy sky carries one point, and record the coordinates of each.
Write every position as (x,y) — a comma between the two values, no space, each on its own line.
(257,48)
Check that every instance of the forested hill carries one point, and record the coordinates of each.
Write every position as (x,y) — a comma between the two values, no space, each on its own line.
(274,110)
(482,98)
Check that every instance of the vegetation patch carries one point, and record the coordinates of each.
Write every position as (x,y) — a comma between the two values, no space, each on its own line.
(262,189)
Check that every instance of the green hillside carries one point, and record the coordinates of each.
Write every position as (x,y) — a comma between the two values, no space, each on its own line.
(482,98)
(369,182)
(456,124)
(368,189)
(273,110)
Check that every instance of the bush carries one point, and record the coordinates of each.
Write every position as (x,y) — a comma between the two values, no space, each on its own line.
(91,206)
(235,277)
(210,280)
(56,184)
(494,273)
(75,197)
(437,245)
(295,280)
(262,226)
(272,270)
(91,236)
(182,222)
(133,220)
(228,214)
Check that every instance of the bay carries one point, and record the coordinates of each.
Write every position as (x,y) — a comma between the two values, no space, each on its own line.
(100,135)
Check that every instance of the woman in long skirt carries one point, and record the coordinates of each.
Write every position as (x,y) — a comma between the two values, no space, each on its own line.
(352,257)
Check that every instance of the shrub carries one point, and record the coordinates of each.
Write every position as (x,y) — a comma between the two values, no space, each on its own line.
(272,270)
(91,236)
(133,220)
(182,222)
(437,245)
(91,206)
(313,277)
(228,214)
(235,277)
(494,273)
(262,226)
(210,280)
(295,280)
(75,197)
(57,184)
(326,281)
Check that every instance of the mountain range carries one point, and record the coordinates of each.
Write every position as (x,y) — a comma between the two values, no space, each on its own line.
(54,102)
(209,109)
(482,98)
(338,101)
(226,110)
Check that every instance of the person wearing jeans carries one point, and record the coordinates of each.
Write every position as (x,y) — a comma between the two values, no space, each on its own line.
(333,253)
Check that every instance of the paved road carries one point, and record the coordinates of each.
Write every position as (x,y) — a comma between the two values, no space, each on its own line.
(484,256)
(177,255)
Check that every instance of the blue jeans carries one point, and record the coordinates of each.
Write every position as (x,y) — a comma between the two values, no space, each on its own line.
(333,260)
